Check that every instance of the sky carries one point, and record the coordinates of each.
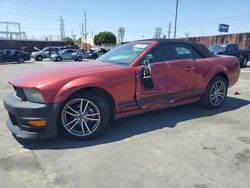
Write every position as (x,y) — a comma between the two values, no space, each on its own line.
(138,17)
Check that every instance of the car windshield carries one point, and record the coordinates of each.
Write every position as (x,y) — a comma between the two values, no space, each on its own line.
(124,54)
(217,48)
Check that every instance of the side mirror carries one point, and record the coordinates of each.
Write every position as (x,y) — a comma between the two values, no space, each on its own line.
(146,72)
(148,60)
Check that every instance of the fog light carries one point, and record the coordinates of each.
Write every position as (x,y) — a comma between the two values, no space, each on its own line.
(37,123)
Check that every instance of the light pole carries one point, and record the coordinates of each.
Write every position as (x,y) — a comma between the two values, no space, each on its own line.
(176,14)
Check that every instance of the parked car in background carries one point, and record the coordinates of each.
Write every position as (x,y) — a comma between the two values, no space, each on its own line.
(233,50)
(68,54)
(79,99)
(94,54)
(13,56)
(46,52)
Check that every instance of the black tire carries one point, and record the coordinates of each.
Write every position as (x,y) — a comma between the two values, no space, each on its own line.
(58,58)
(97,102)
(208,98)
(243,62)
(39,58)
(20,60)
(79,59)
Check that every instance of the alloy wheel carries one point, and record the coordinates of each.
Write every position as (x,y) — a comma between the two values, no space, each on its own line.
(81,117)
(20,60)
(217,93)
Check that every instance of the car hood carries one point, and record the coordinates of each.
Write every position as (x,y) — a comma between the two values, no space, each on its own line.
(35,53)
(62,73)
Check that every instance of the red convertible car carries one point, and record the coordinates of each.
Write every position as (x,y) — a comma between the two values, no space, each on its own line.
(80,98)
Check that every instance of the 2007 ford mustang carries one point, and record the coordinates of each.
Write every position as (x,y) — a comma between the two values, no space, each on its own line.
(80,98)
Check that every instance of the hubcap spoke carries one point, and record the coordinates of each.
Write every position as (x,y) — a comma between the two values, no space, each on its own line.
(87,127)
(73,125)
(72,109)
(87,115)
(92,119)
(85,108)
(72,114)
(81,106)
(83,131)
(71,122)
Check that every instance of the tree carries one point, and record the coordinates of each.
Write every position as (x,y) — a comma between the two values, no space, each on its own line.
(107,38)
(78,41)
(121,34)
(158,32)
(67,39)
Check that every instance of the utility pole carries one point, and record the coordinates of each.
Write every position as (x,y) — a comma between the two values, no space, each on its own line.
(62,31)
(85,22)
(82,32)
(169,29)
(176,15)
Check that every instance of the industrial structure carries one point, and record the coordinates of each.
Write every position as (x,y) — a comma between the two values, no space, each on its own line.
(11,30)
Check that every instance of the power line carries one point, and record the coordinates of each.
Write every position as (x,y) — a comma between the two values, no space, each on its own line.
(38,6)
(216,19)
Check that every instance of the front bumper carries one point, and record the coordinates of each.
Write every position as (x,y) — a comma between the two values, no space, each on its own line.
(22,111)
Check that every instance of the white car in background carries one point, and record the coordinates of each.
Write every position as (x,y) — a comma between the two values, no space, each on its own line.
(68,54)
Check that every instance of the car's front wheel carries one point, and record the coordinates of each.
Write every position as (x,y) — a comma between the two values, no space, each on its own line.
(84,116)
(39,58)
(20,60)
(215,93)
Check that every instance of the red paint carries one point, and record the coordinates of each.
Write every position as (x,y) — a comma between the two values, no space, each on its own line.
(185,80)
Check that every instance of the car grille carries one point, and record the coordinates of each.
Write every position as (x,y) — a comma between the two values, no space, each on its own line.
(19,93)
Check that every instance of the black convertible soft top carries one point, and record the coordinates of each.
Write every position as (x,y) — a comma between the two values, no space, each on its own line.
(201,48)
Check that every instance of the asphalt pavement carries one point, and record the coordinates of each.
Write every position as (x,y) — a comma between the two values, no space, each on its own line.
(186,146)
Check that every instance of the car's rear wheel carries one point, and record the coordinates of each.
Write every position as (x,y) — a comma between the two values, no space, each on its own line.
(39,58)
(79,59)
(20,60)
(215,93)
(58,59)
(84,116)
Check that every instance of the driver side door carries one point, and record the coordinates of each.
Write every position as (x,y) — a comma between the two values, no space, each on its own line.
(173,76)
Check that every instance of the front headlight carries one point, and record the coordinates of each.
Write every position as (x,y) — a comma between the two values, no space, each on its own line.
(33,95)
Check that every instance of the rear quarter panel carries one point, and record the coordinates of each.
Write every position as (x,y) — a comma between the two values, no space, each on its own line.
(207,68)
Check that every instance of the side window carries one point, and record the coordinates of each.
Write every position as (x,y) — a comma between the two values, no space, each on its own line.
(3,53)
(161,53)
(12,52)
(7,52)
(170,52)
(183,52)
(186,52)
(230,48)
